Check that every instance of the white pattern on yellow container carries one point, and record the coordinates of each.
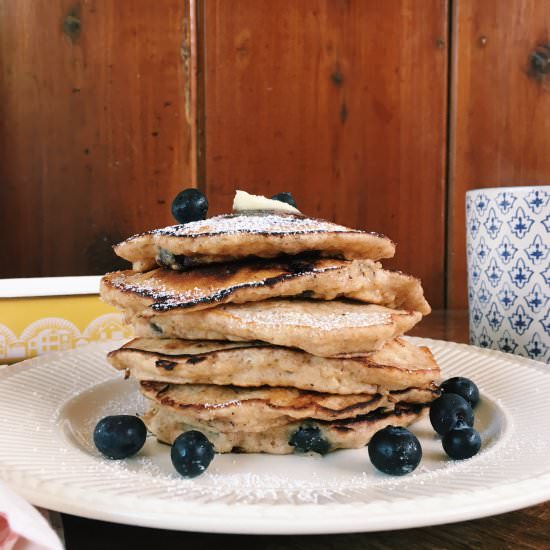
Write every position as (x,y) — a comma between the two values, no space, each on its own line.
(40,315)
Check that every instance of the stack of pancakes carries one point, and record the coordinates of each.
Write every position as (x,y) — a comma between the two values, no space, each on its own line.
(253,325)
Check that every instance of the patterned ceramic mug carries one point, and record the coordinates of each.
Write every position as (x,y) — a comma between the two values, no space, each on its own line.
(508,251)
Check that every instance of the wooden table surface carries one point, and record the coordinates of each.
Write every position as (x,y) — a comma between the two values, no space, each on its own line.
(528,528)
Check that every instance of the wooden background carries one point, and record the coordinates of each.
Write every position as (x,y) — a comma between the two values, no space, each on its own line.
(500,109)
(379,115)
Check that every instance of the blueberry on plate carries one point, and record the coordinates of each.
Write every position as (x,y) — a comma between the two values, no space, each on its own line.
(309,438)
(462,442)
(120,436)
(463,387)
(449,410)
(191,453)
(190,205)
(285,197)
(395,451)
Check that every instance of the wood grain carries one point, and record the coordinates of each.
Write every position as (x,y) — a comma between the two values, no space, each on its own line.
(343,103)
(94,138)
(501,109)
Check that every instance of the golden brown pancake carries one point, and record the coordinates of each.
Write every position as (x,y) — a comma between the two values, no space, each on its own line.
(163,290)
(398,365)
(265,234)
(352,433)
(326,329)
(230,408)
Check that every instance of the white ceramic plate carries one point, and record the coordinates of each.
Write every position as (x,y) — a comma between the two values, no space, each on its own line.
(49,406)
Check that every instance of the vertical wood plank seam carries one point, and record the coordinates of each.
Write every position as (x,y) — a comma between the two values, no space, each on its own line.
(452,83)
(198,57)
(193,94)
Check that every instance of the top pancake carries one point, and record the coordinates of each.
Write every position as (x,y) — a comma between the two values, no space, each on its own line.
(265,234)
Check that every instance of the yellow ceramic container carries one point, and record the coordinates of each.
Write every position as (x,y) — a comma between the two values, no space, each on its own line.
(52,314)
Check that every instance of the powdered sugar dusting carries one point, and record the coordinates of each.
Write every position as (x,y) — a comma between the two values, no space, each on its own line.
(260,223)
(316,315)
(166,297)
(333,322)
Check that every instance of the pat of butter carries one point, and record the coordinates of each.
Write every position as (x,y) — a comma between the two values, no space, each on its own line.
(244,201)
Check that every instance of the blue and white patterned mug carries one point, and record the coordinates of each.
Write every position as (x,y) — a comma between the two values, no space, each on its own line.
(508,251)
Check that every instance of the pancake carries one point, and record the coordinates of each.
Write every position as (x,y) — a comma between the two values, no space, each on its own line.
(230,408)
(352,433)
(163,290)
(265,234)
(398,365)
(325,329)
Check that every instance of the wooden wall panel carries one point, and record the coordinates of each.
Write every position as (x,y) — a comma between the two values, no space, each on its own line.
(501,109)
(94,138)
(341,102)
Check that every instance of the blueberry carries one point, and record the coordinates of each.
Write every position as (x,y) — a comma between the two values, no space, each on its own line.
(463,387)
(309,438)
(395,451)
(165,258)
(191,453)
(189,206)
(120,436)
(285,197)
(462,442)
(449,410)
